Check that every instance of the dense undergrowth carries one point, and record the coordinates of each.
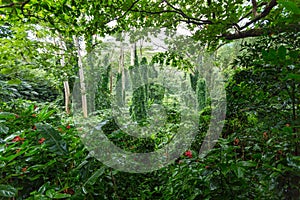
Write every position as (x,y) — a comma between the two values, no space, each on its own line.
(256,157)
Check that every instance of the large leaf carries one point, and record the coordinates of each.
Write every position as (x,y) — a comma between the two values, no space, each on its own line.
(53,139)
(14,82)
(7,115)
(43,188)
(95,176)
(7,191)
(92,179)
(45,114)
(55,195)
(293,76)
(3,129)
(290,5)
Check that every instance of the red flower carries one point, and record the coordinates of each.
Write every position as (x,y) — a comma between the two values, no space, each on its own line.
(41,140)
(24,169)
(236,141)
(69,191)
(188,154)
(68,127)
(17,116)
(18,138)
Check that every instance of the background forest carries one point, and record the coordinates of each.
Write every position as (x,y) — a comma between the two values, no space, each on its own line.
(48,49)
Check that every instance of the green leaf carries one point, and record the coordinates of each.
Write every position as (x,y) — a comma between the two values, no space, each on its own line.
(53,141)
(14,82)
(11,157)
(43,188)
(7,115)
(247,163)
(61,196)
(95,176)
(82,164)
(294,161)
(50,193)
(3,129)
(33,178)
(6,71)
(7,191)
(293,76)
(55,195)
(45,114)
(291,6)
(239,171)
(38,197)
(282,52)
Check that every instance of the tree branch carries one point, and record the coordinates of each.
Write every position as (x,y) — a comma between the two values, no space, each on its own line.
(14,4)
(180,12)
(254,8)
(22,7)
(267,10)
(193,22)
(187,18)
(262,31)
(8,5)
(249,13)
(129,9)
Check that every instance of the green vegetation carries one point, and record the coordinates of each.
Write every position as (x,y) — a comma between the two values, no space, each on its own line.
(52,51)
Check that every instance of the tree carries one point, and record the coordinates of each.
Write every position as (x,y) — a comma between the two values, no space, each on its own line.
(211,21)
(208,20)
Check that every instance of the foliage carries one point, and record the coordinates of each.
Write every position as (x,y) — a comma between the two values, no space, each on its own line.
(209,20)
(257,157)
(102,95)
(39,90)
(263,99)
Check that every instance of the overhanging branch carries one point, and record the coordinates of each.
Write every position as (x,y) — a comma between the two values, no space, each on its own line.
(185,19)
(254,7)
(22,4)
(262,31)
(266,11)
(8,5)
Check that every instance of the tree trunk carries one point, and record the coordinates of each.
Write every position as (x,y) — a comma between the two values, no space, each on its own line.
(141,48)
(133,54)
(67,96)
(122,74)
(62,48)
(81,78)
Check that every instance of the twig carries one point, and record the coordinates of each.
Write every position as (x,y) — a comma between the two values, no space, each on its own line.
(267,10)
(254,9)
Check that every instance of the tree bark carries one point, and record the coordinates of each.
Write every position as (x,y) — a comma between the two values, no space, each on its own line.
(62,48)
(81,78)
(133,54)
(122,72)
